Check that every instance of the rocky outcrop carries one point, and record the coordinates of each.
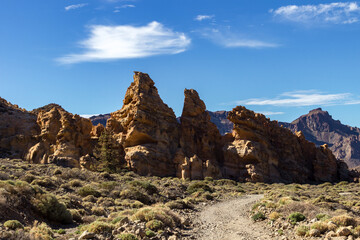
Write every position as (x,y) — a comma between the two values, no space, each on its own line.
(63,138)
(17,130)
(200,153)
(262,151)
(147,129)
(320,128)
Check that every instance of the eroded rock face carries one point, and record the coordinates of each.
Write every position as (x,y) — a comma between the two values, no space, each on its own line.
(17,130)
(63,139)
(262,151)
(200,153)
(147,129)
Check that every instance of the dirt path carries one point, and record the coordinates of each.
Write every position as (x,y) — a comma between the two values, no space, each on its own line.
(229,220)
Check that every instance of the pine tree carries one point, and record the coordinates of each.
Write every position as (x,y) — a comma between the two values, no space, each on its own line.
(108,153)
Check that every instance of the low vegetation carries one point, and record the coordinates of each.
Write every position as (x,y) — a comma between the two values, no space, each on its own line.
(63,203)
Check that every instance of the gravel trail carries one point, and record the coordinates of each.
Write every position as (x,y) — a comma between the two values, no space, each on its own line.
(230,220)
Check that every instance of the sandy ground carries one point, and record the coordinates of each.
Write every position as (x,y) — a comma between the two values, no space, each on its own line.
(229,220)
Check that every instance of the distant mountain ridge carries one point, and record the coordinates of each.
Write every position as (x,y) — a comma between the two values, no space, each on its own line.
(319,127)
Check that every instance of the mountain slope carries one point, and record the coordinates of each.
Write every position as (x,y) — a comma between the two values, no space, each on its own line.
(319,127)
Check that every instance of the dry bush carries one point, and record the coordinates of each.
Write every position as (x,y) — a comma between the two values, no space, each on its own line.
(344,220)
(166,216)
(308,209)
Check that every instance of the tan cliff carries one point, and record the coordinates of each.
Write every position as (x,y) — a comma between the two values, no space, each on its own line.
(63,138)
(18,129)
(263,151)
(147,129)
(200,153)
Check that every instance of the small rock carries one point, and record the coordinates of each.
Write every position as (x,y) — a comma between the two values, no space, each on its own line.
(173,237)
(343,231)
(314,233)
(330,234)
(123,221)
(87,235)
(331,226)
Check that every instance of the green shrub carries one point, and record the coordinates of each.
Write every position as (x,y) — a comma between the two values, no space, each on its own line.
(13,224)
(100,227)
(135,195)
(147,186)
(155,213)
(155,225)
(198,186)
(321,226)
(49,206)
(296,217)
(126,236)
(178,204)
(322,216)
(344,220)
(259,216)
(150,233)
(87,191)
(41,231)
(302,230)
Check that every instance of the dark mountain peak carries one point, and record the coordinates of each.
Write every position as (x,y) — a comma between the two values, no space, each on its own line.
(319,127)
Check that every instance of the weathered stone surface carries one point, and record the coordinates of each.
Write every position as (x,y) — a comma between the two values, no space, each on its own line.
(147,128)
(17,130)
(97,130)
(262,151)
(200,150)
(63,139)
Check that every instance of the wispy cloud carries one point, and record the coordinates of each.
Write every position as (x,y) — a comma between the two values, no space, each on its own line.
(126,41)
(303,98)
(117,9)
(204,17)
(228,39)
(336,13)
(75,6)
(268,113)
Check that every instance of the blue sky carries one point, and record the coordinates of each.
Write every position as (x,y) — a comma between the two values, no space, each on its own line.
(282,58)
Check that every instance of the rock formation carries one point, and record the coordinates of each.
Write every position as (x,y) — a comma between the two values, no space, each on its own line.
(320,128)
(147,129)
(63,139)
(263,151)
(200,152)
(17,130)
(146,135)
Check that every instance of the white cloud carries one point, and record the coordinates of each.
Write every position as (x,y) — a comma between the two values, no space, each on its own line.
(337,13)
(123,6)
(88,115)
(303,98)
(75,6)
(228,39)
(271,113)
(204,17)
(126,41)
